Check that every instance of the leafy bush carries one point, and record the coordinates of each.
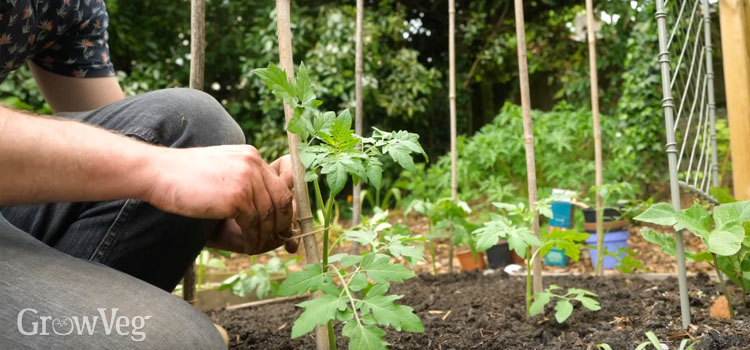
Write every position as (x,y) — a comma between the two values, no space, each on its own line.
(492,163)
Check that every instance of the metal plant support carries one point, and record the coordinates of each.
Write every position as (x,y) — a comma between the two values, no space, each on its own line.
(689,108)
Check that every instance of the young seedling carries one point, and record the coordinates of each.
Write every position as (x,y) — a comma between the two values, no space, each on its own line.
(564,305)
(520,239)
(653,340)
(445,216)
(353,286)
(724,231)
(259,278)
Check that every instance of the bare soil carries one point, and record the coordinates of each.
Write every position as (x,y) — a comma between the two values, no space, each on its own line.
(472,311)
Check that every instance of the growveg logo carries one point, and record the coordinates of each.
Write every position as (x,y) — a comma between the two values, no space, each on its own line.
(106,322)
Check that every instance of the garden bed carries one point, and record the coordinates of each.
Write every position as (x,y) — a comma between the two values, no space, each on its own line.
(472,311)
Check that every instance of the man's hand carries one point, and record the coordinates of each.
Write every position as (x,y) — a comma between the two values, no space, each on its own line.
(233,183)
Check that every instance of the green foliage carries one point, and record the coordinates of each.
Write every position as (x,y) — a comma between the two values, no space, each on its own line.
(353,286)
(721,231)
(627,262)
(260,278)
(206,258)
(355,294)
(492,165)
(564,305)
(514,227)
(725,231)
(446,217)
(329,146)
(653,340)
(378,233)
(722,195)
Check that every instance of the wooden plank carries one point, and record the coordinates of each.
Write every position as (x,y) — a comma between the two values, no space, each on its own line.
(736,55)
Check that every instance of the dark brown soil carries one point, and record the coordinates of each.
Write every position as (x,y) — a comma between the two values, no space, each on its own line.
(487,312)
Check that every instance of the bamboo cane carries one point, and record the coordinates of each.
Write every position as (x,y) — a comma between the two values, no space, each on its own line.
(452,98)
(302,198)
(358,69)
(197,64)
(597,135)
(528,131)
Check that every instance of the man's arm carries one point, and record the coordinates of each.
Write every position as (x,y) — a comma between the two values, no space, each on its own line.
(44,159)
(67,94)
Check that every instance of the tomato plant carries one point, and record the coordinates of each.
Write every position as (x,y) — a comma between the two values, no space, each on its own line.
(353,287)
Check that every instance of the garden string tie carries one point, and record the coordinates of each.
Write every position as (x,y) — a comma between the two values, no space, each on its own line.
(306,234)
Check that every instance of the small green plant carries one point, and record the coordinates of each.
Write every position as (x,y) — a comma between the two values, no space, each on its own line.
(446,216)
(626,260)
(353,287)
(515,228)
(205,259)
(564,305)
(653,340)
(260,277)
(724,231)
(378,234)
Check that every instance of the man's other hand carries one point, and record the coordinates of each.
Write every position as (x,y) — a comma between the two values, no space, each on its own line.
(232,183)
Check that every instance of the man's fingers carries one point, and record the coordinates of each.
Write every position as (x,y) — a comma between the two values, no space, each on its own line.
(249,223)
(291,245)
(283,168)
(281,198)
(275,166)
(264,204)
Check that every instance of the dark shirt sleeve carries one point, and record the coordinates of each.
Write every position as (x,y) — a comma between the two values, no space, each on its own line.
(82,48)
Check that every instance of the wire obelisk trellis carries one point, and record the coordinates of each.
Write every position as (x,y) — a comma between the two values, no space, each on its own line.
(684,28)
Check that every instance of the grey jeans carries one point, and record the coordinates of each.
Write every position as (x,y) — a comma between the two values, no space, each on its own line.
(111,262)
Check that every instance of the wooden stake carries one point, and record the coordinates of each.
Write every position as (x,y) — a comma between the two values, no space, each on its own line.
(265,302)
(197,65)
(528,131)
(735,39)
(452,98)
(302,198)
(358,69)
(597,134)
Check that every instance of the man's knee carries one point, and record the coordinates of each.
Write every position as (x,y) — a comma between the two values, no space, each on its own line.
(192,118)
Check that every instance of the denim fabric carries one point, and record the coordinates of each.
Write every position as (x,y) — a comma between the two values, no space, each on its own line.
(130,235)
(126,235)
(47,296)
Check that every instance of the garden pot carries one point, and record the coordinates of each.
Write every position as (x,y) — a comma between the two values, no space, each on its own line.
(467,261)
(612,242)
(610,214)
(498,255)
(516,259)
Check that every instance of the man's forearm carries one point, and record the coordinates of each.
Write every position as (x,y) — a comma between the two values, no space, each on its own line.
(49,160)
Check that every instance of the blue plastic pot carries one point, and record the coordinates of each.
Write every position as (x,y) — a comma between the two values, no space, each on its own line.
(613,241)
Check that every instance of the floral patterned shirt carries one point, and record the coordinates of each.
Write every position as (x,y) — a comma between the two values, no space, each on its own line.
(67,37)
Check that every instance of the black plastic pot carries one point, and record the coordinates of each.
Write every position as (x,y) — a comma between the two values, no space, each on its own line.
(498,255)
(610,214)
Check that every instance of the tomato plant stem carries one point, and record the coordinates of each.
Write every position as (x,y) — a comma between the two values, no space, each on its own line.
(326,209)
